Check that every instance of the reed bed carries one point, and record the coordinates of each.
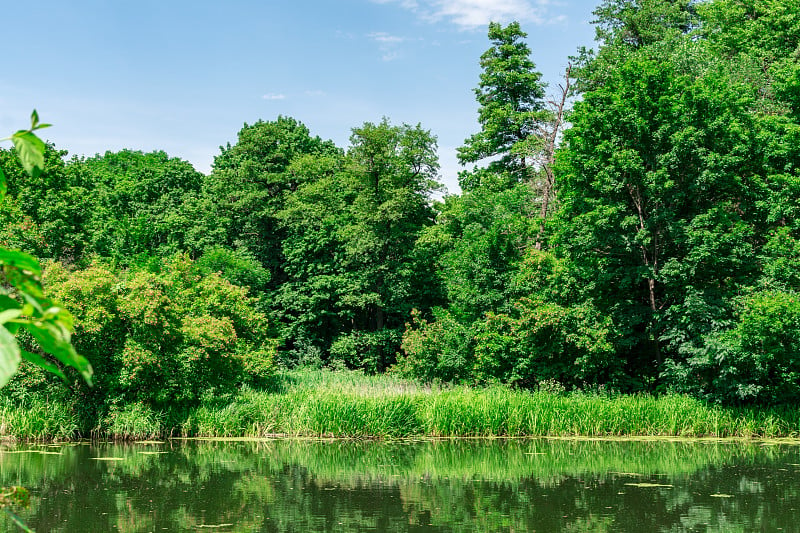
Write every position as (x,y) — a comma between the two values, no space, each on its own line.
(353,405)
(37,419)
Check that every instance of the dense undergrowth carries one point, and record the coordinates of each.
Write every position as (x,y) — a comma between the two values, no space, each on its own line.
(312,403)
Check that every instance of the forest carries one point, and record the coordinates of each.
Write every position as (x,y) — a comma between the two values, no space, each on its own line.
(635,230)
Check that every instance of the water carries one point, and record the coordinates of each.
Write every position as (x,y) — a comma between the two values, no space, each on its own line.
(475,485)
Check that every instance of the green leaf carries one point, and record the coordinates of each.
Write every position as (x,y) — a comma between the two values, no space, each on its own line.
(9,314)
(54,339)
(3,184)
(20,260)
(7,302)
(34,118)
(40,361)
(30,150)
(9,356)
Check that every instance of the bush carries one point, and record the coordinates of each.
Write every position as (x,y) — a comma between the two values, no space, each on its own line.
(237,266)
(372,351)
(438,350)
(757,361)
(163,339)
(545,341)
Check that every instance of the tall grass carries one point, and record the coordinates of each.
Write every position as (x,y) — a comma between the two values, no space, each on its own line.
(37,419)
(348,404)
(353,405)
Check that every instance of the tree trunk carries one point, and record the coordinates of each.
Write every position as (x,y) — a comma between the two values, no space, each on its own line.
(549,156)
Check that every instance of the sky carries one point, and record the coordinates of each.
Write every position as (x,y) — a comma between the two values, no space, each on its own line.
(184,77)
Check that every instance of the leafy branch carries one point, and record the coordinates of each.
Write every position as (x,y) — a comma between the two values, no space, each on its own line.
(23,304)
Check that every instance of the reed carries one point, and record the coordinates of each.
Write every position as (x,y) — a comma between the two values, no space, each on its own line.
(37,419)
(353,405)
(134,421)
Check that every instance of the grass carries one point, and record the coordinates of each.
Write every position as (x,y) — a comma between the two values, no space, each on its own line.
(349,404)
(37,420)
(352,405)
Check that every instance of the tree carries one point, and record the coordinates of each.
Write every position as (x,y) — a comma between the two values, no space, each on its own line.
(141,203)
(250,181)
(353,270)
(640,23)
(676,172)
(510,95)
(393,169)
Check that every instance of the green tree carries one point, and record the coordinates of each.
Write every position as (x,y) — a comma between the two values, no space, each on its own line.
(140,204)
(511,99)
(250,181)
(675,173)
(640,23)
(354,272)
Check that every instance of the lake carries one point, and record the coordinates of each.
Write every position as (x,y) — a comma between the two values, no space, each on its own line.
(459,485)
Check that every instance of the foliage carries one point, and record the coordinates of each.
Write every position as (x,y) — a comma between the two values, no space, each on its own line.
(353,268)
(23,305)
(372,351)
(510,95)
(250,181)
(540,341)
(441,349)
(165,338)
(754,362)
(237,266)
(479,241)
(140,204)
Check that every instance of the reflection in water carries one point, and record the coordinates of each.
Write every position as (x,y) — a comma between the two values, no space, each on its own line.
(517,485)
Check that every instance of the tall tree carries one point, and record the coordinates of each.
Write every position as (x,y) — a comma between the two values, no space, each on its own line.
(510,95)
(250,181)
(393,169)
(639,23)
(669,180)
(350,247)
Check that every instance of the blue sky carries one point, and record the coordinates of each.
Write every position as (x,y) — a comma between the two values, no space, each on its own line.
(185,76)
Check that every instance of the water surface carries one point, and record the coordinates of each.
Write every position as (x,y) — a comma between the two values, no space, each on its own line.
(472,485)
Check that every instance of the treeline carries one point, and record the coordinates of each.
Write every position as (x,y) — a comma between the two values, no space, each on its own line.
(646,239)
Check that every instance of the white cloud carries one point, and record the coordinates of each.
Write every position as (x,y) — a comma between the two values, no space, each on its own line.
(383,37)
(471,14)
(408,4)
(316,92)
(388,44)
(273,96)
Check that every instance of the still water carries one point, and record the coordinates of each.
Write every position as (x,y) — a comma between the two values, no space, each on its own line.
(472,485)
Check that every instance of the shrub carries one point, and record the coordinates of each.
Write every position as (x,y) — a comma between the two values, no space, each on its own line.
(372,351)
(441,349)
(163,338)
(755,361)
(545,341)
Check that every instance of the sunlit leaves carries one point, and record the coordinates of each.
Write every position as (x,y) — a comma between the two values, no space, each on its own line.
(9,356)
(30,148)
